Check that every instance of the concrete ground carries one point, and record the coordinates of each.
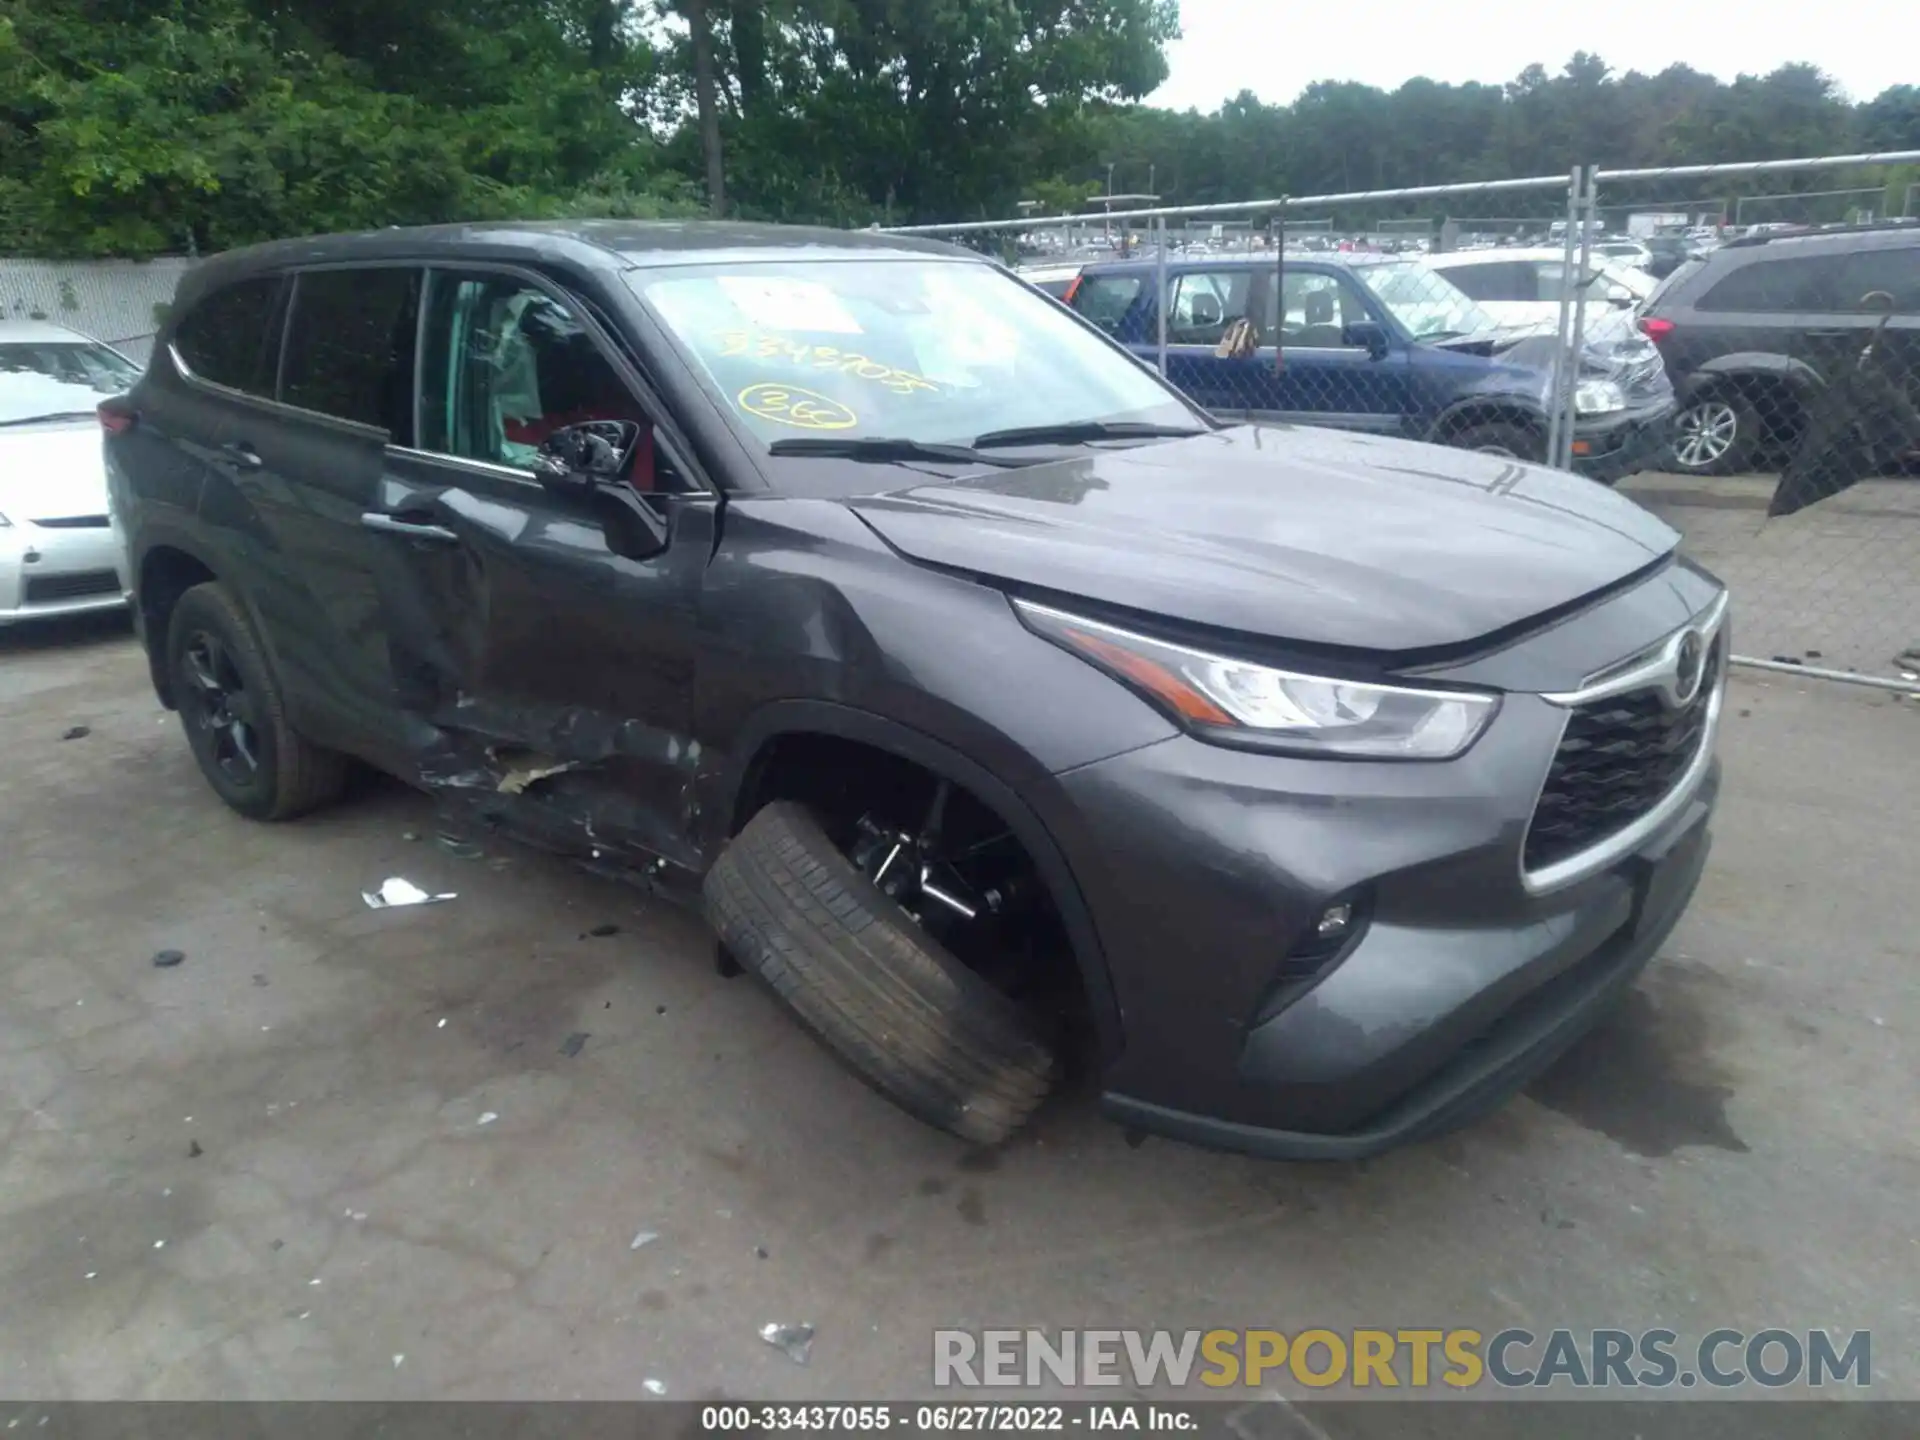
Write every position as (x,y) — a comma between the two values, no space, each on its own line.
(339,1153)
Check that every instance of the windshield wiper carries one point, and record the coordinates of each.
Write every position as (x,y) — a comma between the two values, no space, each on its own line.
(1074,432)
(883,449)
(50,415)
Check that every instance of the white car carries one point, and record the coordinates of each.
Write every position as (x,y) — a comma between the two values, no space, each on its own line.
(1521,286)
(1630,253)
(59,554)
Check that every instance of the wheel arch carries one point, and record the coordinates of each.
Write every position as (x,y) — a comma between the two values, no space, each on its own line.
(1776,386)
(739,789)
(1486,410)
(168,568)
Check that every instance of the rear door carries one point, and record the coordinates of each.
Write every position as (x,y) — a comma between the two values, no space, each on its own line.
(301,473)
(1836,332)
(521,640)
(1323,377)
(1201,306)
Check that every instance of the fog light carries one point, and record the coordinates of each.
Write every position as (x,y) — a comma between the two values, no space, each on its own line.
(1334,920)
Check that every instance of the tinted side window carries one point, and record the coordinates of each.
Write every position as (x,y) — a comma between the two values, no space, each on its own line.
(1772,286)
(1105,299)
(1508,280)
(1895,269)
(224,338)
(350,346)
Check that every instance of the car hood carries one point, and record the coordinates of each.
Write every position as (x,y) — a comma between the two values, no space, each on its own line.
(51,471)
(1315,536)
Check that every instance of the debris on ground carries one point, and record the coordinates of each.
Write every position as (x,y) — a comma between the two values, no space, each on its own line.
(760,1252)
(458,846)
(659,1009)
(599,932)
(487,1117)
(796,1340)
(1788,660)
(574,1044)
(645,1237)
(76,732)
(260,980)
(654,1387)
(409,835)
(167,959)
(395,892)
(398,1361)
(530,768)
(194,1152)
(443,1023)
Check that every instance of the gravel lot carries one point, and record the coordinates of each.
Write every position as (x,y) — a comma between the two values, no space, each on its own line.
(269,1172)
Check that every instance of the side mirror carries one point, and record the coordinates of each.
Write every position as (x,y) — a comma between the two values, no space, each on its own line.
(576,458)
(591,461)
(1369,335)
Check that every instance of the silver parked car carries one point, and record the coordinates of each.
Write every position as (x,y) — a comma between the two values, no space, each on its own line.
(58,552)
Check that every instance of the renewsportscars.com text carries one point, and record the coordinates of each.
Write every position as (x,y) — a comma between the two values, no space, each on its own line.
(1460,1359)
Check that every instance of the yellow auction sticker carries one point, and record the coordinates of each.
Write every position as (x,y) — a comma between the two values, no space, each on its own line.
(790,405)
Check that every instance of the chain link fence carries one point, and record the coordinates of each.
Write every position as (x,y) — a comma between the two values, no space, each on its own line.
(1598,321)
(1790,329)
(119,302)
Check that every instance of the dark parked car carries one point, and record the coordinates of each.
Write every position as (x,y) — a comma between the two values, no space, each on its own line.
(1003,709)
(1754,331)
(1386,346)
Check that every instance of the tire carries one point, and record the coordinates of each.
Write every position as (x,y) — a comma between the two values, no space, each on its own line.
(209,638)
(888,1000)
(1516,442)
(1715,434)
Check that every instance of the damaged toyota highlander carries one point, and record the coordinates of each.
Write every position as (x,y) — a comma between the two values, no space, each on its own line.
(1007,713)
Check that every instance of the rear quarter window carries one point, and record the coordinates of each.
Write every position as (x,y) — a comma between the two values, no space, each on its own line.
(225,337)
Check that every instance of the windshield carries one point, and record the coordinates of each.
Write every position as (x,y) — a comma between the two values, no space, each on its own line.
(1431,306)
(935,351)
(50,378)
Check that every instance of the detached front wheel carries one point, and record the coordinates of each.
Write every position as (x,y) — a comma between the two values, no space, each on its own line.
(885,996)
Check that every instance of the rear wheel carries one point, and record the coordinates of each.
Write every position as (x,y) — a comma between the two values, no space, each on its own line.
(833,935)
(234,716)
(1715,435)
(1515,442)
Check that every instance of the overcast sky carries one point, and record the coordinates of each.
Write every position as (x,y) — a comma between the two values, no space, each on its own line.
(1276,48)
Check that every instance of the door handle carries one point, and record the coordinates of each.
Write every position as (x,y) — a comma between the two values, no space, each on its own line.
(240,455)
(412,530)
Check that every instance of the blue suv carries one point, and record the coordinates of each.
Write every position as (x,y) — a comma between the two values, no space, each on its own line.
(1388,346)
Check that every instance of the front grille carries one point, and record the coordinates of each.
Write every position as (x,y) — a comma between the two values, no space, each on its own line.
(74,522)
(43,589)
(1618,758)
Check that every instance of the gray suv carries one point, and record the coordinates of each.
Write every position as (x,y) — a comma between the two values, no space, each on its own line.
(1001,709)
(1755,330)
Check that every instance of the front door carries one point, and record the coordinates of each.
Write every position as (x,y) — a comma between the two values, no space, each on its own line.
(1324,377)
(550,679)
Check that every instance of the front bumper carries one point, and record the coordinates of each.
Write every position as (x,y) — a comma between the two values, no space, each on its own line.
(1461,984)
(1611,447)
(52,570)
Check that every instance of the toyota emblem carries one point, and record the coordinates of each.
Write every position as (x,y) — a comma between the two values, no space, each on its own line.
(1688,663)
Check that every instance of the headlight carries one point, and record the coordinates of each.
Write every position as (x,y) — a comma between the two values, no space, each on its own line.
(1228,699)
(1598,397)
